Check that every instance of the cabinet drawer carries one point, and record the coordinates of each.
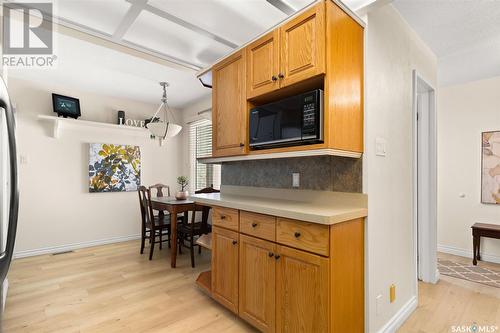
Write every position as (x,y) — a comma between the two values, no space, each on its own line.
(258,225)
(225,217)
(307,236)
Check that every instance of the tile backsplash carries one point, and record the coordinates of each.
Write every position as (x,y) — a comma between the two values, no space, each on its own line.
(323,173)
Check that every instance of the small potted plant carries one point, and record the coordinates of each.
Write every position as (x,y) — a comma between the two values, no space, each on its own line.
(183,193)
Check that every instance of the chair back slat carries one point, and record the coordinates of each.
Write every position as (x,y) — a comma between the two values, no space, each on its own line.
(160,189)
(145,204)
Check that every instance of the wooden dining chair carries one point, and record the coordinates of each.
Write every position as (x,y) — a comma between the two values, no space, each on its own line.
(159,189)
(187,233)
(153,227)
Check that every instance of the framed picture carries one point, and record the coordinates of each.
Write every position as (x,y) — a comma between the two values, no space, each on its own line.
(114,168)
(490,167)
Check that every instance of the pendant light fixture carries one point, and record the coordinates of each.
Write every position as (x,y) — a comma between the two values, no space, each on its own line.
(163,129)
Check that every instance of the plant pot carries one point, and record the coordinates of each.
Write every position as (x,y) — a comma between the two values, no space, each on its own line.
(181,195)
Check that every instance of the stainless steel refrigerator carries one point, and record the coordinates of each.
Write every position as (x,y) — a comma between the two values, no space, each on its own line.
(9,196)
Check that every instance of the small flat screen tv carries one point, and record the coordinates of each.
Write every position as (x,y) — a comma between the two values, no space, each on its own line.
(66,106)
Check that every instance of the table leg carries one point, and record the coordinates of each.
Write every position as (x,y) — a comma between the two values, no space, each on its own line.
(478,248)
(173,230)
(474,250)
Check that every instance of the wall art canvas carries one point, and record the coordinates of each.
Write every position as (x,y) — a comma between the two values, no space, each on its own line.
(114,168)
(490,177)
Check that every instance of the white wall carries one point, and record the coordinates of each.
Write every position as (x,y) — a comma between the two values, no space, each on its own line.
(56,209)
(465,111)
(393,50)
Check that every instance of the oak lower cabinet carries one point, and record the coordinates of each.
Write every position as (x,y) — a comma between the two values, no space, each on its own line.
(291,287)
(257,282)
(301,291)
(225,267)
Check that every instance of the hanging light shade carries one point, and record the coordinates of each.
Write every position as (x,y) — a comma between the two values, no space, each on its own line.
(166,128)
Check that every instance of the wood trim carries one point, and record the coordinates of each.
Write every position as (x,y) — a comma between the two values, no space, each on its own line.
(347,276)
(344,82)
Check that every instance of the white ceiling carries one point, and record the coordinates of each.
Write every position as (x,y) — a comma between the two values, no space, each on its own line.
(189,33)
(464,35)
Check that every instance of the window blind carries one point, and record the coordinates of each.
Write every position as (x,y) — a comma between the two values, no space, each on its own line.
(200,145)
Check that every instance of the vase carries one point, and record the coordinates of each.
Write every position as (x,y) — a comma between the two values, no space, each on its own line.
(181,195)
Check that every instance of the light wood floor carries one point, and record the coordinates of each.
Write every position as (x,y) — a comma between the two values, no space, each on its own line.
(113,288)
(456,302)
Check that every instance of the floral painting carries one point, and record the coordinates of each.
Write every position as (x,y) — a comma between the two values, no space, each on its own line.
(490,187)
(114,168)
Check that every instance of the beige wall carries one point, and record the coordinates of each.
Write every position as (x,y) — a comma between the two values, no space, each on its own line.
(393,50)
(56,209)
(464,111)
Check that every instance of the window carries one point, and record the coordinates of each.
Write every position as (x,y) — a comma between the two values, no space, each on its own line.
(200,145)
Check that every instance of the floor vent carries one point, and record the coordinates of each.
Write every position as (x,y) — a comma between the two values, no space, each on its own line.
(63,252)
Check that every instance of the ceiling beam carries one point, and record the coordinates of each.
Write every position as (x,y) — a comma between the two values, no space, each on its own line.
(282,6)
(186,24)
(129,19)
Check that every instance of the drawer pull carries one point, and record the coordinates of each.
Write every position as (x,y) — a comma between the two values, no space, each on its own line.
(277,256)
(223,217)
(271,254)
(281,76)
(296,234)
(235,242)
(254,225)
(274,78)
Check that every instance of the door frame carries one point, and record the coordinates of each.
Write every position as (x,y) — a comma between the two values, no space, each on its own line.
(425,231)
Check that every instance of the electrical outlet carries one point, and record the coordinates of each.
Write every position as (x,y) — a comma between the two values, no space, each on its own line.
(296,179)
(378,305)
(392,293)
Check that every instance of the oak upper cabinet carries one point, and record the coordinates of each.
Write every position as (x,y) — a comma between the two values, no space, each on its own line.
(263,64)
(303,46)
(225,267)
(229,107)
(302,291)
(257,282)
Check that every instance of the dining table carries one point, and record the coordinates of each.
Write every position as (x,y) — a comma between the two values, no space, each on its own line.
(174,207)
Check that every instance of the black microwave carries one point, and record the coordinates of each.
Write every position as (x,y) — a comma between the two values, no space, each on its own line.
(291,121)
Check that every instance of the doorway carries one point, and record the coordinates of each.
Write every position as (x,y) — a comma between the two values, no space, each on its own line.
(425,179)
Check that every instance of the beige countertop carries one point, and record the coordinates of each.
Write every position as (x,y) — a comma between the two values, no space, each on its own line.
(321,207)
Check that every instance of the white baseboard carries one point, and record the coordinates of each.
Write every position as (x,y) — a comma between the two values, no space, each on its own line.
(467,253)
(400,317)
(74,246)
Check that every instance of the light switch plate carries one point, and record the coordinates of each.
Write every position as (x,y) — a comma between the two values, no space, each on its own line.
(380,147)
(296,179)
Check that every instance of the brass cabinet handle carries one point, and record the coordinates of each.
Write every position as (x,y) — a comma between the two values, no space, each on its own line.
(271,254)
(254,224)
(297,234)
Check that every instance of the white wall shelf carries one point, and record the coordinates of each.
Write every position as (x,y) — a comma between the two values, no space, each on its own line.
(59,123)
(303,153)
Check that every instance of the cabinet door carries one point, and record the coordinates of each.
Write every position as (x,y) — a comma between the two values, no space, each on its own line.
(257,282)
(263,58)
(225,267)
(303,46)
(229,106)
(302,291)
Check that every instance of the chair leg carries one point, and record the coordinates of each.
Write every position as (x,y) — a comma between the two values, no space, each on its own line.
(143,239)
(161,236)
(191,247)
(152,242)
(199,249)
